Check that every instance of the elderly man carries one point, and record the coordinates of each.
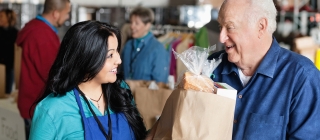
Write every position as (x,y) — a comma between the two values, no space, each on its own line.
(278,90)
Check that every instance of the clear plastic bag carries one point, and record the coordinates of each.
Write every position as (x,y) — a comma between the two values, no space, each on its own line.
(199,69)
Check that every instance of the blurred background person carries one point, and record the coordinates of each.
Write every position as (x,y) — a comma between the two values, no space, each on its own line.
(144,57)
(40,44)
(8,35)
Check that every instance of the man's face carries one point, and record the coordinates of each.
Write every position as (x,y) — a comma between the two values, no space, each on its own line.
(236,34)
(64,15)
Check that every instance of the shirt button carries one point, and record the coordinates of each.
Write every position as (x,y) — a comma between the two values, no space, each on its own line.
(235,121)
(240,96)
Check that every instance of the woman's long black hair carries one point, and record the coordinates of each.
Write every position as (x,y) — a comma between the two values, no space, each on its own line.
(81,56)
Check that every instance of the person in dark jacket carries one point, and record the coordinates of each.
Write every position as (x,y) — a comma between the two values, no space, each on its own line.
(144,57)
(8,35)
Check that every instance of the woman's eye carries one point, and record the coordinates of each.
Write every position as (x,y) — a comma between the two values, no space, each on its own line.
(110,56)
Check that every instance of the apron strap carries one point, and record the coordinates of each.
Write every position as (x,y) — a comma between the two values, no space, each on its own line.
(83,116)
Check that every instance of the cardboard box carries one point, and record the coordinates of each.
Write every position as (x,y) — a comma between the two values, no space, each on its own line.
(309,53)
(225,90)
(306,46)
(304,43)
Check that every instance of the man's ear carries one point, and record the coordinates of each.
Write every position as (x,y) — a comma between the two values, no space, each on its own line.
(263,26)
(56,14)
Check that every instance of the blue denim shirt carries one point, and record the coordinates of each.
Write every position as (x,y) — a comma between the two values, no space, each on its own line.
(151,62)
(281,100)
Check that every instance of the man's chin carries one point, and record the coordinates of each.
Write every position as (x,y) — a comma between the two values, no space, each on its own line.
(232,59)
(59,25)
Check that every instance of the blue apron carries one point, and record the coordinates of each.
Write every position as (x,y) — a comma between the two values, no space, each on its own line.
(120,126)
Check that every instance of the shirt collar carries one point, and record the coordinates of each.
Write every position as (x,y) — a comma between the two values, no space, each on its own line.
(144,38)
(39,17)
(269,62)
(230,67)
(267,66)
(141,38)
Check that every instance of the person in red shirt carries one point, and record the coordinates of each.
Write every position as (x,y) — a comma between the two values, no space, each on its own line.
(40,44)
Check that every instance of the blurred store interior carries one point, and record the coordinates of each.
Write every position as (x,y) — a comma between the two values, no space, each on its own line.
(296,18)
(298,21)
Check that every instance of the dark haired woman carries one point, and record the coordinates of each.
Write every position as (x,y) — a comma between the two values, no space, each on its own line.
(84,96)
(8,36)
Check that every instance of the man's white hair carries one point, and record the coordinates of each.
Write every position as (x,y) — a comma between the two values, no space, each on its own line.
(263,8)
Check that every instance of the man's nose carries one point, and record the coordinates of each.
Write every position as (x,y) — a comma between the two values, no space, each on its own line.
(223,35)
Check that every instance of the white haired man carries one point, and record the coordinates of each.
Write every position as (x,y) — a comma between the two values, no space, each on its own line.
(278,90)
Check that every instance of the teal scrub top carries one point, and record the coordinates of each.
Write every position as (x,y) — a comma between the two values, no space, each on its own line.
(58,118)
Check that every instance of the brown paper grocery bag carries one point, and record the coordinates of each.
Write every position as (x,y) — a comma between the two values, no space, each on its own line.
(194,115)
(133,84)
(150,103)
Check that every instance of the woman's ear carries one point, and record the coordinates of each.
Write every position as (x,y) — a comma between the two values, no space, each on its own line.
(149,25)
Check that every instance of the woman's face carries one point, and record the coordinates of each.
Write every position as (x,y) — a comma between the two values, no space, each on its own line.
(138,28)
(3,20)
(113,60)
